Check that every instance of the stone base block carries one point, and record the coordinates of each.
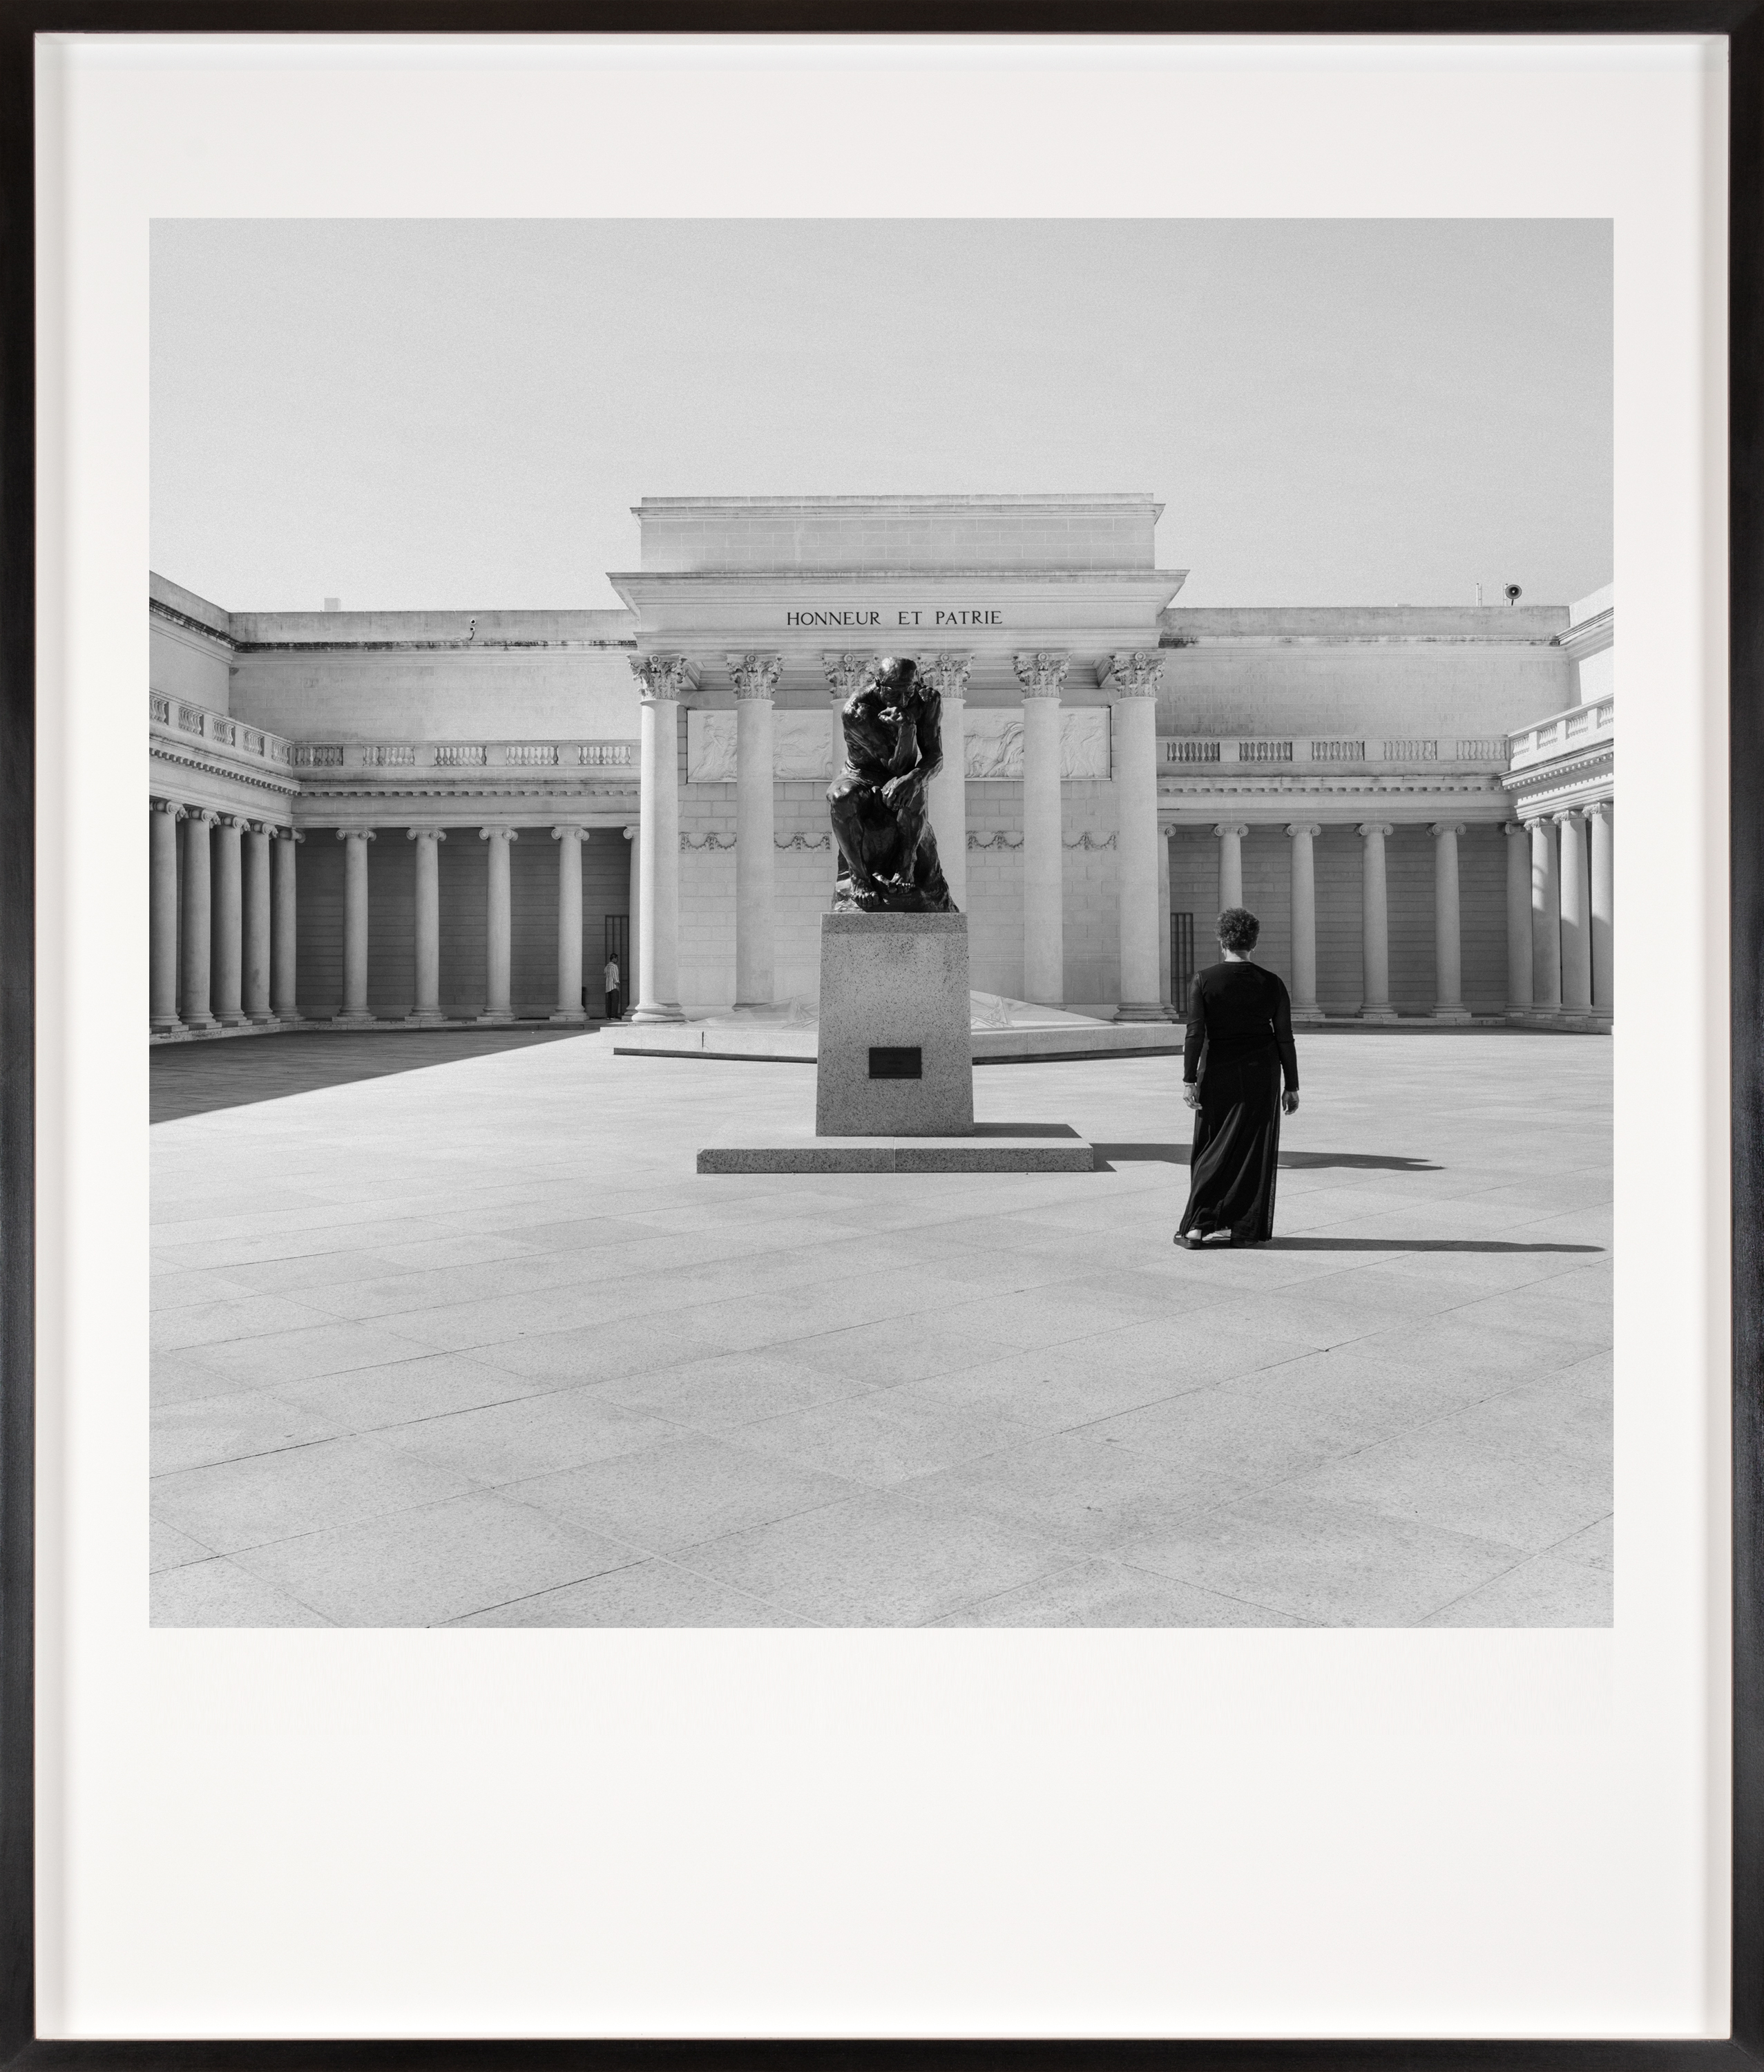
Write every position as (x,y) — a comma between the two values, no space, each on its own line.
(896,1054)
(1378,1014)
(992,1147)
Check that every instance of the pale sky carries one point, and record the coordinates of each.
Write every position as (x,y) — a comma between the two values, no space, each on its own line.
(460,415)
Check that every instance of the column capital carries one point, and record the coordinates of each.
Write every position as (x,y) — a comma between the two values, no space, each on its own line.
(1368,828)
(569,834)
(498,834)
(664,677)
(1600,809)
(947,674)
(287,834)
(1042,673)
(755,676)
(1518,828)
(355,834)
(233,821)
(1133,676)
(199,813)
(1446,828)
(259,827)
(167,806)
(1310,828)
(1568,813)
(425,834)
(847,673)
(629,833)
(1238,827)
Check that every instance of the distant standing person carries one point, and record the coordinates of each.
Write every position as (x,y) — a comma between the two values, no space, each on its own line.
(1237,1053)
(611,975)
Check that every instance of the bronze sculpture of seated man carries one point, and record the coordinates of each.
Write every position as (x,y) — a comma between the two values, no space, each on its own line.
(893,726)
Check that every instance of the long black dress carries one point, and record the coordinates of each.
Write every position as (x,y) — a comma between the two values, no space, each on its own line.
(1239,1047)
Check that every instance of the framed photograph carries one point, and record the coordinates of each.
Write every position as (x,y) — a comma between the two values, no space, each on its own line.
(862,1287)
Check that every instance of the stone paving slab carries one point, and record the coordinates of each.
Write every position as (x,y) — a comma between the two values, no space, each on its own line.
(477,1344)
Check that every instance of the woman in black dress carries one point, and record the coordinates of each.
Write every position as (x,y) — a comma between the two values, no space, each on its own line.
(1238,1050)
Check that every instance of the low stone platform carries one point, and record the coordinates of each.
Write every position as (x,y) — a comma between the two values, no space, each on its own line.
(754,1039)
(994,1147)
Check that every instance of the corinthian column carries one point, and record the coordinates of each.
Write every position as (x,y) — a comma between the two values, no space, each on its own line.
(1044,945)
(354,1013)
(947,795)
(755,678)
(662,677)
(283,981)
(427,1007)
(1598,816)
(1546,921)
(1302,834)
(198,931)
(229,943)
(1374,923)
(257,910)
(1448,950)
(1518,917)
(1577,920)
(498,924)
(163,816)
(1132,683)
(846,675)
(570,841)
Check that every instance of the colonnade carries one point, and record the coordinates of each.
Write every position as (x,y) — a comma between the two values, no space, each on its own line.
(1559,913)
(1131,682)
(1560,885)
(228,948)
(1374,914)
(224,945)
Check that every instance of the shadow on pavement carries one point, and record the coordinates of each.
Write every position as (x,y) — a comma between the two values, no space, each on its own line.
(1291,1162)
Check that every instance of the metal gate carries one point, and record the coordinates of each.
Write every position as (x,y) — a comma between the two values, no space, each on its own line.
(1181,961)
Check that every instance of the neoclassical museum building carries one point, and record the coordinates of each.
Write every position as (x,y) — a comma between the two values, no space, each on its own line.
(366,818)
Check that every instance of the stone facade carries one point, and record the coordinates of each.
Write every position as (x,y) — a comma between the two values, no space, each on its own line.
(443,816)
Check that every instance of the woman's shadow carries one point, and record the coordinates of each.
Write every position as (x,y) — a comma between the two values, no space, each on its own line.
(1109,1156)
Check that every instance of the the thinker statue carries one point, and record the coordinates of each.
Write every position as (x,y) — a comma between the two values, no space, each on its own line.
(893,727)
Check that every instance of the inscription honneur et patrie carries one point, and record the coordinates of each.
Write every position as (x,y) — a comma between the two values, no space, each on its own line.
(931,618)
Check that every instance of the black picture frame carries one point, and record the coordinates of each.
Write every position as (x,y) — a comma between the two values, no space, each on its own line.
(1741,22)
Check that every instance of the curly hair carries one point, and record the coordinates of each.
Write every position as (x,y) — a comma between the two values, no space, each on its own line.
(1237,929)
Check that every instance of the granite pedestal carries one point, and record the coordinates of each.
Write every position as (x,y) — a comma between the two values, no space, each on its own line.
(896,1058)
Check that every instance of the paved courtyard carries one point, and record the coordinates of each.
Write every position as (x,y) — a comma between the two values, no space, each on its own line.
(475,1344)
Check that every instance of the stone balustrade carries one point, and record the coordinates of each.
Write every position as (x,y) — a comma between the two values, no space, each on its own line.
(177,719)
(525,755)
(1486,752)
(1579,727)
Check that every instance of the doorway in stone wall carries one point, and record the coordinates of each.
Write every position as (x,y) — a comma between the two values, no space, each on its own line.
(618,952)
(1181,960)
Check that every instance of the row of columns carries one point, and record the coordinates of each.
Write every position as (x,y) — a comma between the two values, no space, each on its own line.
(229,951)
(1131,680)
(1559,913)
(1374,914)
(1560,889)
(232,959)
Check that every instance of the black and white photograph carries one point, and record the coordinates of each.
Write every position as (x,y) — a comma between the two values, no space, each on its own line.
(881,923)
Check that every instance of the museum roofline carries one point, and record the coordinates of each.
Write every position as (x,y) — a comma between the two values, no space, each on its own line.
(1295,625)
(1124,499)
